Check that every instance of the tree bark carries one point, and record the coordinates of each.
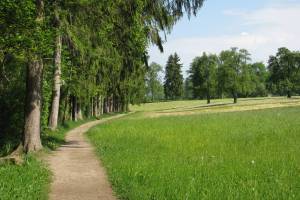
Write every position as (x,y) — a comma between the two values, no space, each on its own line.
(57,83)
(289,94)
(65,113)
(74,108)
(79,111)
(208,96)
(32,139)
(234,97)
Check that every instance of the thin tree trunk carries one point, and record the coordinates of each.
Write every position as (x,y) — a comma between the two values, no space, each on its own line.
(74,108)
(92,106)
(32,139)
(95,107)
(234,97)
(208,96)
(107,105)
(112,104)
(79,111)
(57,83)
(101,105)
(65,110)
(289,94)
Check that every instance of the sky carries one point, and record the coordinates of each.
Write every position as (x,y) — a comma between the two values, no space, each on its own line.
(260,26)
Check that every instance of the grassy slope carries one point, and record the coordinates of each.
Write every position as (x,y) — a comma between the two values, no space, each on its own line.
(31,180)
(239,155)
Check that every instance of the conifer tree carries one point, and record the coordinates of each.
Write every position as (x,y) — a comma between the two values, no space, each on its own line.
(173,85)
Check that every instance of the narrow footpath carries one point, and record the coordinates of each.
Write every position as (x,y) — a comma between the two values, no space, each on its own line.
(77,172)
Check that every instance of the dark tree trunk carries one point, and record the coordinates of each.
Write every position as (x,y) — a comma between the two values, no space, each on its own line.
(74,108)
(32,139)
(208,97)
(53,119)
(289,94)
(234,97)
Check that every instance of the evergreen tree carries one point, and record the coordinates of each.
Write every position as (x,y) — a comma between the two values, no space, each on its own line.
(173,85)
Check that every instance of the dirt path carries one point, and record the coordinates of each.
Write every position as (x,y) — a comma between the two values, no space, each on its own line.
(78,173)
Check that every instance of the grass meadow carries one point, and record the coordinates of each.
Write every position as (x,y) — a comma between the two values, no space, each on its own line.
(234,155)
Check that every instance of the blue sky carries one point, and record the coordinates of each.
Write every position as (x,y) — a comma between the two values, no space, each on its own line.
(260,26)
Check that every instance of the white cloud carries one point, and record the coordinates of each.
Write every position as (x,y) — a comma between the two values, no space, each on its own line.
(267,30)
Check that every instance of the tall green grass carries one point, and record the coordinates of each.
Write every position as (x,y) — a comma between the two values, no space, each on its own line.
(27,182)
(242,155)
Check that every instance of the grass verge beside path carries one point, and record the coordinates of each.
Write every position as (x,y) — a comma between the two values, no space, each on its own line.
(238,155)
(32,179)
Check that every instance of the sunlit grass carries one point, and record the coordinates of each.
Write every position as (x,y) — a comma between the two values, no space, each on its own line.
(173,106)
(26,182)
(238,155)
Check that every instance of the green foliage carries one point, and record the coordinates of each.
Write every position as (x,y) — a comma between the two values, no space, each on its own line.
(203,74)
(26,182)
(284,72)
(259,77)
(104,50)
(12,95)
(154,87)
(246,155)
(173,85)
(229,74)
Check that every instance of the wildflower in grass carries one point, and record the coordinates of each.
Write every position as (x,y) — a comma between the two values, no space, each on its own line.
(252,162)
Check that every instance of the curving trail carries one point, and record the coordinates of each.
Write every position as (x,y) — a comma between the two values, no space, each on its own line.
(78,173)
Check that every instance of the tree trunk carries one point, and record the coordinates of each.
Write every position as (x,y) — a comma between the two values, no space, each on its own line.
(111,104)
(65,110)
(74,108)
(32,138)
(57,82)
(234,97)
(101,105)
(289,94)
(95,106)
(79,111)
(92,107)
(208,97)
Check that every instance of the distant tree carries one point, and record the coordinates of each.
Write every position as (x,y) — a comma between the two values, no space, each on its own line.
(233,64)
(173,85)
(259,77)
(203,76)
(284,72)
(188,88)
(154,86)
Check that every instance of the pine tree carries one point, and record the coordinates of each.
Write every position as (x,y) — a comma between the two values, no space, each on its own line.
(173,85)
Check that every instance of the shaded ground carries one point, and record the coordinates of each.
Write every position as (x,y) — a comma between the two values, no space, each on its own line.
(77,172)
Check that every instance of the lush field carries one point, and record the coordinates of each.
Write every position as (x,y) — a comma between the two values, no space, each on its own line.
(235,155)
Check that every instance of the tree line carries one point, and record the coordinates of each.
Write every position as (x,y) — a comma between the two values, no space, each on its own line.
(69,59)
(229,74)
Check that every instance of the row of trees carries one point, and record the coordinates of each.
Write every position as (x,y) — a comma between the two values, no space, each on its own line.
(231,74)
(64,59)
